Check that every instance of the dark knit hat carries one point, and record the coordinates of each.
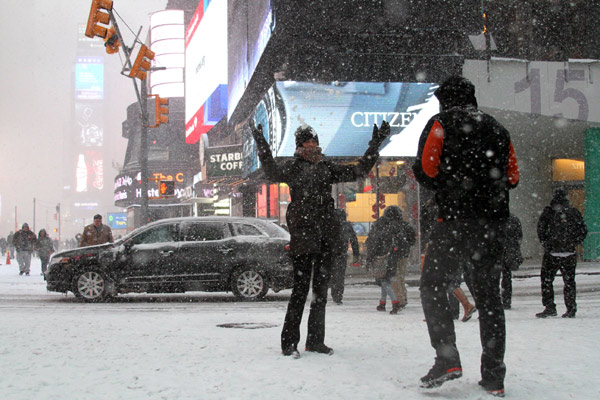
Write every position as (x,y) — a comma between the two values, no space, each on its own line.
(305,133)
(456,91)
(97,216)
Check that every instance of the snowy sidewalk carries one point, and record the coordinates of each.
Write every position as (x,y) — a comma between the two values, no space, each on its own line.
(529,269)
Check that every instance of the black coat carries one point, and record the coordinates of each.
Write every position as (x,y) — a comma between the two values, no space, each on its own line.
(347,234)
(391,235)
(561,227)
(466,157)
(512,246)
(313,225)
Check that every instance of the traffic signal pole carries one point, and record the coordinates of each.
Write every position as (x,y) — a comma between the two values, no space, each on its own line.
(101,15)
(144,153)
(141,95)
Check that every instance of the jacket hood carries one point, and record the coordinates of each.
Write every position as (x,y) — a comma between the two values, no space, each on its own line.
(560,198)
(393,212)
(456,91)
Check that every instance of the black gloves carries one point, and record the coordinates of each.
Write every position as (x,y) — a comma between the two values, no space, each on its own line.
(379,134)
(257,134)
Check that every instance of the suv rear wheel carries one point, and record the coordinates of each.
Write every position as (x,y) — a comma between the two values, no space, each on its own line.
(91,285)
(249,284)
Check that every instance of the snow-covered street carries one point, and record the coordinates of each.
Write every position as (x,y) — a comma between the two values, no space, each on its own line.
(176,347)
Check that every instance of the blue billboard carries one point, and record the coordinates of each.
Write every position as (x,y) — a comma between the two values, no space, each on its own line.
(343,115)
(117,220)
(89,78)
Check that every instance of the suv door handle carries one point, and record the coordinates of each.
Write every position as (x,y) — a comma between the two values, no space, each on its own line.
(225,250)
(166,253)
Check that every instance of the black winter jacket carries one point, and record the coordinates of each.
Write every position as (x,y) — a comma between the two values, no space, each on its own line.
(470,174)
(311,219)
(390,235)
(561,227)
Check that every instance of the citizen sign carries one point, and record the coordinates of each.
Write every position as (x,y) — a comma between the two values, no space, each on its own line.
(395,119)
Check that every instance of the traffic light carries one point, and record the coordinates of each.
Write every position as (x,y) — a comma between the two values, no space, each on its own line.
(142,63)
(98,16)
(112,42)
(161,114)
(166,188)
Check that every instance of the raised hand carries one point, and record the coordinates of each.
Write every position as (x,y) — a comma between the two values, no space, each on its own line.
(380,134)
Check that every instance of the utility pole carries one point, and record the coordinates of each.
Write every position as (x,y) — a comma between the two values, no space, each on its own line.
(58,218)
(144,151)
(34,214)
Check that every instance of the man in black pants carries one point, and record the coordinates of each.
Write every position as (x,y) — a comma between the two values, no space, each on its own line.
(314,228)
(338,275)
(467,158)
(560,229)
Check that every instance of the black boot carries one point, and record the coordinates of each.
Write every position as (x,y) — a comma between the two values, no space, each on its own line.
(548,312)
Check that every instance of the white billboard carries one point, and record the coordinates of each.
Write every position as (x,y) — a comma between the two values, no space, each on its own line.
(205,69)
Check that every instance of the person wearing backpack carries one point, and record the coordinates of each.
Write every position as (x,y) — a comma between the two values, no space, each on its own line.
(388,245)
(405,238)
(560,229)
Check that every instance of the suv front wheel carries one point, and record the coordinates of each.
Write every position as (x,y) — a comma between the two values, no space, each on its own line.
(91,285)
(249,284)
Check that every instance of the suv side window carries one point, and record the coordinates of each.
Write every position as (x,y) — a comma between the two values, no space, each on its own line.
(246,230)
(158,234)
(203,231)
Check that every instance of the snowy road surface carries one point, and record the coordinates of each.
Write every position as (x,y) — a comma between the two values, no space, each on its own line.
(173,347)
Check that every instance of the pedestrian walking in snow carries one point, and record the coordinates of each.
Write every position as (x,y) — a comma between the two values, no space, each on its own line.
(467,158)
(96,233)
(340,257)
(11,246)
(44,247)
(312,224)
(389,241)
(24,242)
(561,229)
(512,258)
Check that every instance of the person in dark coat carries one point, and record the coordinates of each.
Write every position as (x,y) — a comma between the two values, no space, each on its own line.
(466,157)
(44,247)
(11,246)
(392,237)
(24,242)
(312,224)
(561,229)
(340,251)
(512,258)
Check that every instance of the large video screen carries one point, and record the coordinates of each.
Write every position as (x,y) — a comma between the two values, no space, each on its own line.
(89,78)
(205,69)
(251,25)
(343,115)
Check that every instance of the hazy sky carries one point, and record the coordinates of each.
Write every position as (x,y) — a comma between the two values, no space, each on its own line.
(38,62)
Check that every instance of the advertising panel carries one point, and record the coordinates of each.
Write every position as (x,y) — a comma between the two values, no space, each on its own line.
(206,69)
(224,161)
(89,78)
(89,171)
(88,119)
(343,115)
(128,186)
(117,220)
(250,30)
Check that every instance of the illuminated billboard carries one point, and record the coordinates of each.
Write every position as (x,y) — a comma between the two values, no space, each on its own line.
(205,69)
(251,26)
(89,78)
(343,115)
(117,220)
